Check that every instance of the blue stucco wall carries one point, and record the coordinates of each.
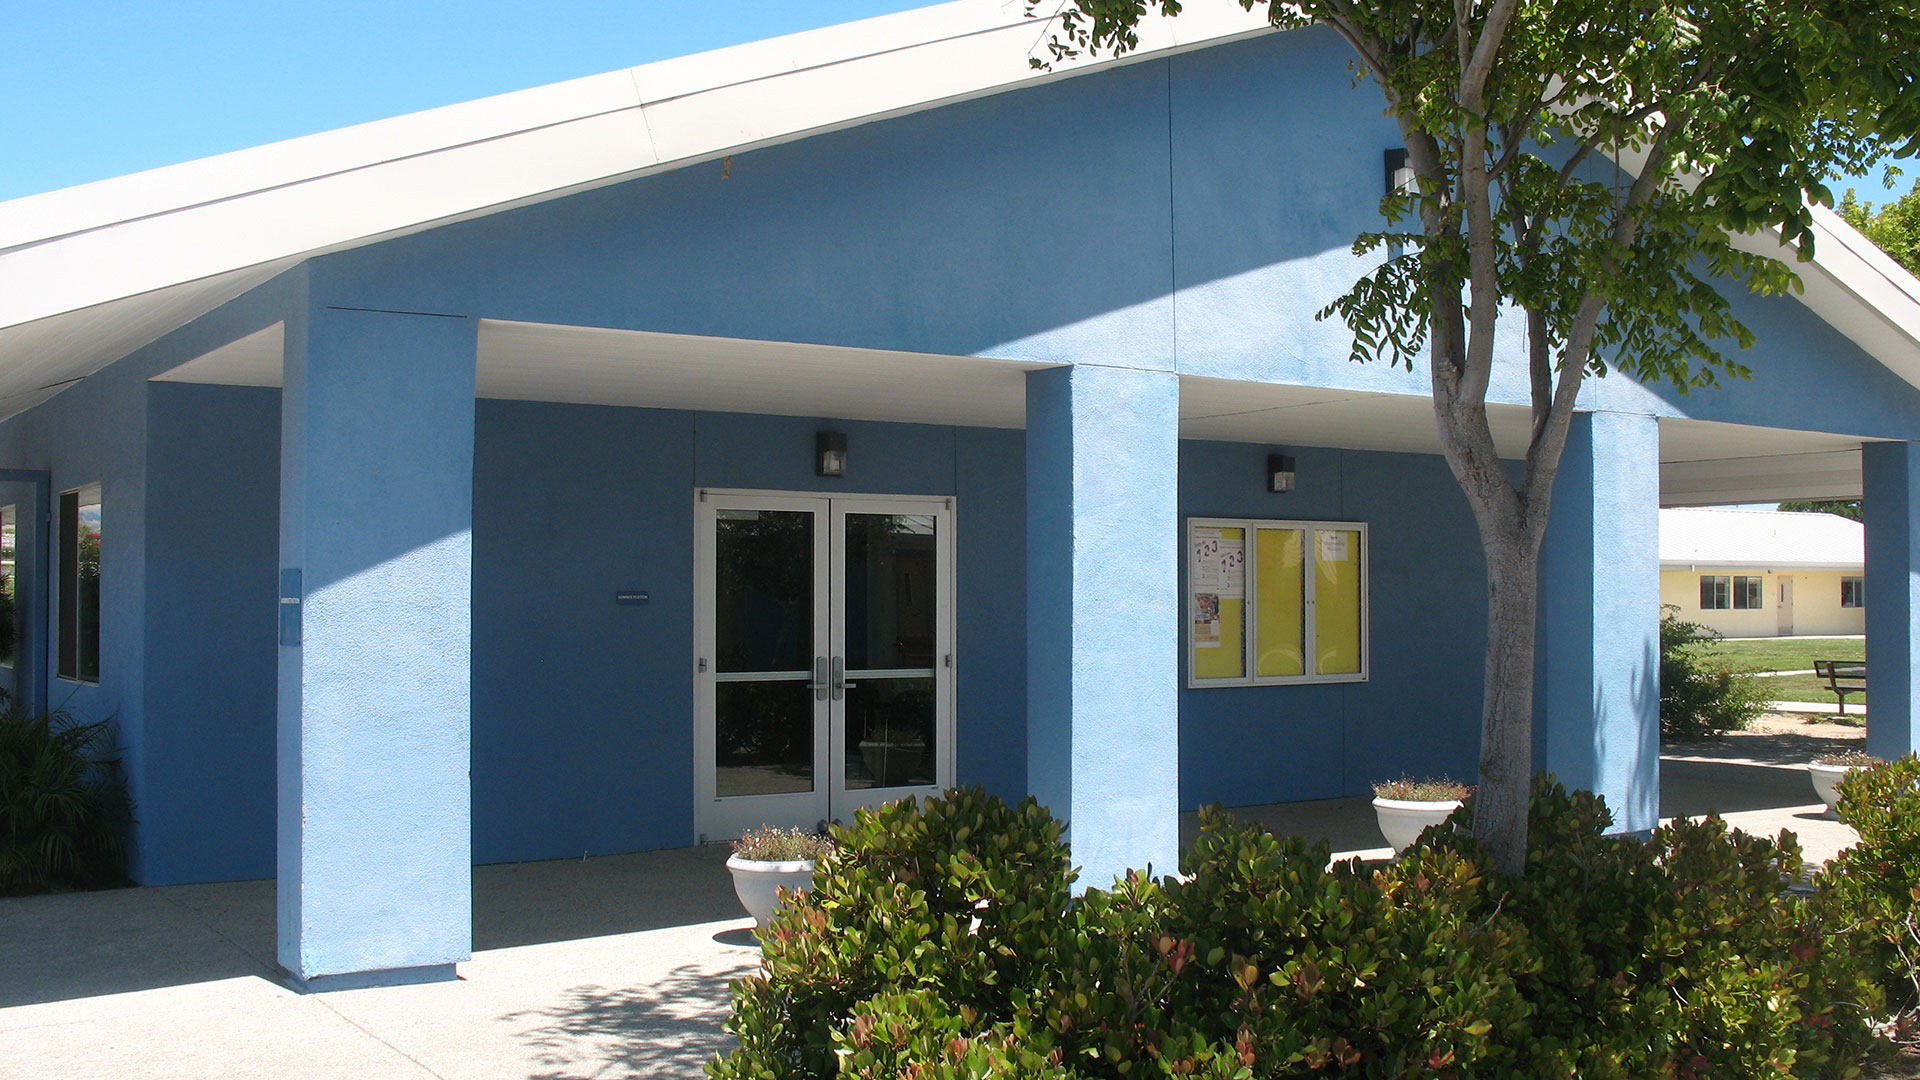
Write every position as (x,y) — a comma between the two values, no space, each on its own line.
(1419,711)
(582,733)
(1219,222)
(213,544)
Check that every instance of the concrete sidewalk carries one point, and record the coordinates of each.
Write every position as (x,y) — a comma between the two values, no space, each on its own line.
(583,970)
(614,967)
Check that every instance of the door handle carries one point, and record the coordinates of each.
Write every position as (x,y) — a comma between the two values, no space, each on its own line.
(819,682)
(839,678)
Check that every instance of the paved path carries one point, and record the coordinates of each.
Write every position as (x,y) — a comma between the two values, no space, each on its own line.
(584,970)
(616,967)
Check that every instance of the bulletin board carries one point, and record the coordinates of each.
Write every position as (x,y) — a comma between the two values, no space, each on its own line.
(1275,602)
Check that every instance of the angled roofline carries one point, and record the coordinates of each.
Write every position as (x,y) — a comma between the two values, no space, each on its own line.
(153,250)
(68,250)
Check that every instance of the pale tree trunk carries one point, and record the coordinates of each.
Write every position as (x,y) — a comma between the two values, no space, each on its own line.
(1506,735)
(1511,525)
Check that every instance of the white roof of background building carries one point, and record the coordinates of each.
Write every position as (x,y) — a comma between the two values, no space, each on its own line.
(1760,539)
(90,273)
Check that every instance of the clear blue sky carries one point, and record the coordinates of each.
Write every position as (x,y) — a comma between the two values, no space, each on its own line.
(95,88)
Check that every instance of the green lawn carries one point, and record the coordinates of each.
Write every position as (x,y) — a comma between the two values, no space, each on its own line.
(1788,654)
(1783,654)
(1806,688)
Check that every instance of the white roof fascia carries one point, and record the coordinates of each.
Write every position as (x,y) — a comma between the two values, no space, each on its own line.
(1856,288)
(73,249)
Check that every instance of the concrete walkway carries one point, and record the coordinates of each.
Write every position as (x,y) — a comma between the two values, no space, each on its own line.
(583,970)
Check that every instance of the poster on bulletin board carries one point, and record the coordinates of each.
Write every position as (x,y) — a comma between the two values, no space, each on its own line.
(1217,588)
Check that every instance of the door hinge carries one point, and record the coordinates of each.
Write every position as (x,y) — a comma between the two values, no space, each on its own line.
(949,504)
(703,663)
(949,659)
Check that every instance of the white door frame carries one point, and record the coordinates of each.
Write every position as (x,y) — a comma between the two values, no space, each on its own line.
(717,819)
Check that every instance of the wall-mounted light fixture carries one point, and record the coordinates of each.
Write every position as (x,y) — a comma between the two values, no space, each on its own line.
(1399,172)
(830,453)
(1279,473)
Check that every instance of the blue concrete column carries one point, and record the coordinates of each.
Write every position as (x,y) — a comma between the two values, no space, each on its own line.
(1890,497)
(376,519)
(1103,726)
(1598,664)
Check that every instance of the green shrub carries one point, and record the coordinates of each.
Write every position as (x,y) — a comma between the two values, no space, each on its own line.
(958,900)
(941,941)
(1699,698)
(63,803)
(1875,884)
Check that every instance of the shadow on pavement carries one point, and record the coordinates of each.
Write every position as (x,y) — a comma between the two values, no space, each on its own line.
(668,1027)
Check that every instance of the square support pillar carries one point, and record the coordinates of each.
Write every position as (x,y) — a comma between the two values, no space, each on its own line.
(1598,661)
(1103,550)
(376,526)
(1890,497)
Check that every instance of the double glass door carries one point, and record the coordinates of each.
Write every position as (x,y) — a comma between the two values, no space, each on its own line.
(824,656)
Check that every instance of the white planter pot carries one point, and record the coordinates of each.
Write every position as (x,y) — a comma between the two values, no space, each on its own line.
(1403,820)
(758,884)
(1825,777)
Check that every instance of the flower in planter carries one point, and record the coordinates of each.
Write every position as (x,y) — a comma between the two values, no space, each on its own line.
(1430,789)
(770,844)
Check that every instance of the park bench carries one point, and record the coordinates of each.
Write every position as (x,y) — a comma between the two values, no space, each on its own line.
(1843,677)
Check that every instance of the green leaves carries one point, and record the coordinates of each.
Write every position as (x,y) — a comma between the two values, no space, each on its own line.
(63,803)
(1612,958)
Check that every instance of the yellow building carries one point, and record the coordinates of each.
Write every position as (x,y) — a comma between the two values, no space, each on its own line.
(1764,573)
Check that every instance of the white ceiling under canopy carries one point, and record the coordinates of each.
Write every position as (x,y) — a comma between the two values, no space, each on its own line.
(1701,462)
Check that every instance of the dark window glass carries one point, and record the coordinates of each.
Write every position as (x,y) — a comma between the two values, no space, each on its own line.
(1853,592)
(1715,592)
(80,584)
(1749,593)
(9,593)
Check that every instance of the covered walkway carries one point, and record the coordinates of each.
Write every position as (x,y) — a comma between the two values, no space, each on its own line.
(614,966)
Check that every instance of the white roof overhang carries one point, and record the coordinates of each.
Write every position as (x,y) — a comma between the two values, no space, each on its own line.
(138,255)
(90,273)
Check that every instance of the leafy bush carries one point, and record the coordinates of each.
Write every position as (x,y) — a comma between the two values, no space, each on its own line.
(941,941)
(1875,884)
(63,803)
(1697,697)
(769,844)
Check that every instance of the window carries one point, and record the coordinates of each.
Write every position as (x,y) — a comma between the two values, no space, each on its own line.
(1749,593)
(80,584)
(1853,592)
(1271,602)
(1716,592)
(9,595)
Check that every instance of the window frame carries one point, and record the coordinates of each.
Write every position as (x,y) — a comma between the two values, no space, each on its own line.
(68,614)
(1858,583)
(1722,585)
(1249,632)
(1749,592)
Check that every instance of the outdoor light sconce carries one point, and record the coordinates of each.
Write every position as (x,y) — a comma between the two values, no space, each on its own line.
(1399,173)
(1279,473)
(830,453)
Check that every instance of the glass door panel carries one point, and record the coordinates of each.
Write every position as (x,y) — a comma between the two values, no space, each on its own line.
(824,675)
(762,691)
(891,582)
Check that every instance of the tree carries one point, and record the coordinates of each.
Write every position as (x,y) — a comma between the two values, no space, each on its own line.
(1583,168)
(1895,226)
(1846,508)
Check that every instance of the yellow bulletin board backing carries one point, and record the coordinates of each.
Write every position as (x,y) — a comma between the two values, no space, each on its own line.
(1275,602)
